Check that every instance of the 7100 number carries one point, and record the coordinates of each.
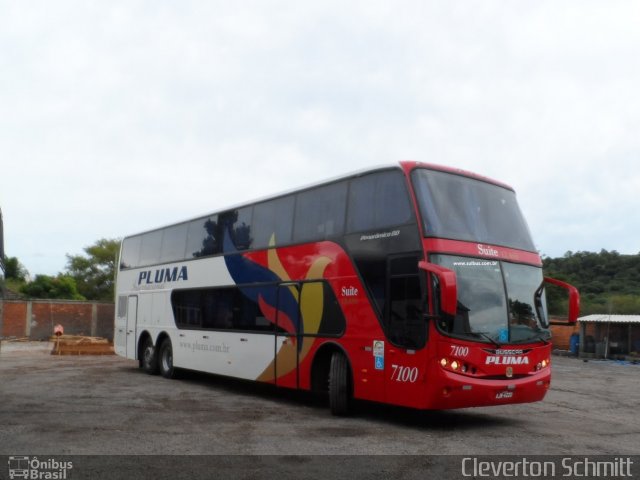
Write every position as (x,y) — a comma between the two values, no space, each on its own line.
(459,351)
(404,374)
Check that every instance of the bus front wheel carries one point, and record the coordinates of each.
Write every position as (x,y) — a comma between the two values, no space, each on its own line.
(165,359)
(339,392)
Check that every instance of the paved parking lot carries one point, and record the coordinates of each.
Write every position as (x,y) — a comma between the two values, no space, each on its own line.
(70,405)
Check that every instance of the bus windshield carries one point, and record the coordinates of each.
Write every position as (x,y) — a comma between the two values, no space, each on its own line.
(500,302)
(462,208)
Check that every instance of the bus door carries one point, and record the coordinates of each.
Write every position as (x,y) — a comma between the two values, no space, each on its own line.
(132,318)
(405,352)
(287,335)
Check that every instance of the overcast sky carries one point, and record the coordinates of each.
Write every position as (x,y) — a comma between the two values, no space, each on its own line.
(120,116)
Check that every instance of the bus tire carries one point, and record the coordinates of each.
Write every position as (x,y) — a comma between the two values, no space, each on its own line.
(339,394)
(165,359)
(148,359)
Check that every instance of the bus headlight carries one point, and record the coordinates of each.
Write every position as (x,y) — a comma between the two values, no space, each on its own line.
(457,366)
(543,364)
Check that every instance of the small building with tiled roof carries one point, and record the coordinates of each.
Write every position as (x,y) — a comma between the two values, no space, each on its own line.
(609,336)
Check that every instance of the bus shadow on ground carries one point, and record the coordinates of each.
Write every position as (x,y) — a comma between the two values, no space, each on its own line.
(434,420)
(463,419)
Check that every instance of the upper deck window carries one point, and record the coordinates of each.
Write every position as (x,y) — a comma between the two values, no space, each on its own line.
(273,219)
(202,239)
(320,213)
(462,208)
(365,203)
(150,248)
(174,240)
(378,201)
(130,255)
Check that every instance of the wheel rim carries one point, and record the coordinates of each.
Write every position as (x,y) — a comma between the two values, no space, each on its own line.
(167,359)
(148,355)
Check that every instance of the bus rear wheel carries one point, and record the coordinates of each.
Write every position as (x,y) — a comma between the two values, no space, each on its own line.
(148,359)
(165,359)
(339,391)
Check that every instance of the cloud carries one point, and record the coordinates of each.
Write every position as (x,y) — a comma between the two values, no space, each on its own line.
(122,116)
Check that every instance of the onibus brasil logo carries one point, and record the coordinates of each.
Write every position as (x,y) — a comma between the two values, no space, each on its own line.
(35,469)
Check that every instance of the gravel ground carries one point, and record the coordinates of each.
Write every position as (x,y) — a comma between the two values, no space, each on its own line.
(104,405)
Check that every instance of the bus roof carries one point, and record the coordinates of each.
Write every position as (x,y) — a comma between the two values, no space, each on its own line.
(408,165)
(405,165)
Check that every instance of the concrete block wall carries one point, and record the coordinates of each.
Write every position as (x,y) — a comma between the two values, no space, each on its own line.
(104,318)
(561,336)
(14,316)
(36,318)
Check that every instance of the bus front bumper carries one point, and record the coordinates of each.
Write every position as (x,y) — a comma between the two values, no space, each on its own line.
(460,391)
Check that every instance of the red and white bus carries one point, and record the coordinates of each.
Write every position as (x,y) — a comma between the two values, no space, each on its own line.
(414,285)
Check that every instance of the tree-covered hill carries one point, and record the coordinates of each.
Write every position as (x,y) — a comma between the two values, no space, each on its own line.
(608,281)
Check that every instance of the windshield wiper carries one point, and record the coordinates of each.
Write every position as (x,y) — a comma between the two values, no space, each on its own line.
(485,335)
(544,338)
(540,335)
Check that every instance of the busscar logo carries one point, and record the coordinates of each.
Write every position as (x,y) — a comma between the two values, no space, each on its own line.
(507,351)
(504,351)
(36,469)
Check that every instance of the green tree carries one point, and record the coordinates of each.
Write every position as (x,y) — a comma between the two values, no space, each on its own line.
(45,286)
(608,281)
(625,304)
(94,272)
(14,270)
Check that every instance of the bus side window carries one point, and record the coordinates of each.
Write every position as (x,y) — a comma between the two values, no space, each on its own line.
(247,312)
(404,319)
(187,308)
(273,219)
(150,249)
(203,238)
(237,225)
(379,200)
(332,322)
(130,252)
(226,308)
(174,241)
(320,213)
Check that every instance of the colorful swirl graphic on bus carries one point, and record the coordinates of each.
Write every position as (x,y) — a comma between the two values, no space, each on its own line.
(281,306)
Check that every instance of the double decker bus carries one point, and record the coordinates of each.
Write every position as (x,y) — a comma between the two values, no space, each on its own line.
(414,285)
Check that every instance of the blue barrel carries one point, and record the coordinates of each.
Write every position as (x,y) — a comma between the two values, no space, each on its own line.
(574,343)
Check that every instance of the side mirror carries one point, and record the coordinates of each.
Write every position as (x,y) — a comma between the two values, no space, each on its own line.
(448,286)
(574,298)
